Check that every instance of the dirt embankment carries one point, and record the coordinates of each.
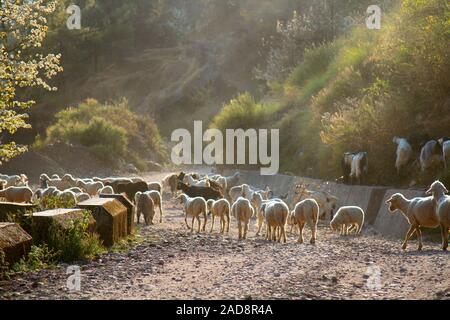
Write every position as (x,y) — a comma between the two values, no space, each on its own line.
(59,159)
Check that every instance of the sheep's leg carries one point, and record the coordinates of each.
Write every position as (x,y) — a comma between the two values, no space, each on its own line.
(205,215)
(222,224)
(409,234)
(138,215)
(419,238)
(228,223)
(300,233)
(212,224)
(444,232)
(283,234)
(240,229)
(260,223)
(161,213)
(199,224)
(185,220)
(268,232)
(193,220)
(313,233)
(245,229)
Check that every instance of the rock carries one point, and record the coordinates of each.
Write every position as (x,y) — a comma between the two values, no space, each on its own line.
(154,166)
(131,168)
(161,262)
(14,242)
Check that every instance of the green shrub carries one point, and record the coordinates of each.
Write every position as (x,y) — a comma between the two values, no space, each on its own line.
(49,203)
(110,131)
(74,242)
(244,112)
(39,257)
(3,265)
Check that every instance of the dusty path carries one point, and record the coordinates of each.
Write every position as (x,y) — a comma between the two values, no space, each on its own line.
(172,263)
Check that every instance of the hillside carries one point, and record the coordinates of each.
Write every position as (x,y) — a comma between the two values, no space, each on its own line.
(359,91)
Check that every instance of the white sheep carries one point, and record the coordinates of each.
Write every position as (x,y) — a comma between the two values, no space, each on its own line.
(276,214)
(68,196)
(194,207)
(327,202)
(75,190)
(106,190)
(189,180)
(156,186)
(360,167)
(242,211)
(222,181)
(90,187)
(257,202)
(430,155)
(305,212)
(445,144)
(83,197)
(157,201)
(233,180)
(17,194)
(58,183)
(438,190)
(145,206)
(419,212)
(348,219)
(220,209)
(239,191)
(14,180)
(404,153)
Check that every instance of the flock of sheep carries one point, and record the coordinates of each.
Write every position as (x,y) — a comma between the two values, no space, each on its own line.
(355,165)
(224,197)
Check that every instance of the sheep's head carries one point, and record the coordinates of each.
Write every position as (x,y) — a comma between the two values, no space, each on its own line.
(2,184)
(334,225)
(182,198)
(394,202)
(209,204)
(437,188)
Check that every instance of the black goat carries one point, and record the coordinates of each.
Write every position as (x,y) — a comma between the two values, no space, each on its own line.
(206,192)
(130,189)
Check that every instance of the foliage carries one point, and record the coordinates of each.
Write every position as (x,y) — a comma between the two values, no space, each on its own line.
(244,112)
(22,32)
(74,242)
(39,257)
(49,203)
(111,131)
(361,89)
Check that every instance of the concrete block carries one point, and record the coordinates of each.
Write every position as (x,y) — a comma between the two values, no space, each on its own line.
(42,221)
(110,216)
(130,209)
(14,242)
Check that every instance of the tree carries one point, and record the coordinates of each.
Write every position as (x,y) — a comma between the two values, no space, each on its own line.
(23,27)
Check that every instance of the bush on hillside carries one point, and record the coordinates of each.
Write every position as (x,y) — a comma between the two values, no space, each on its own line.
(111,131)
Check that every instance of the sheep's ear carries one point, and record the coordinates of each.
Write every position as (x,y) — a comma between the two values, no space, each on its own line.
(429,192)
(388,201)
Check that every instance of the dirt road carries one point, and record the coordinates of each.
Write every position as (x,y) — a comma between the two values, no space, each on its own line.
(172,263)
